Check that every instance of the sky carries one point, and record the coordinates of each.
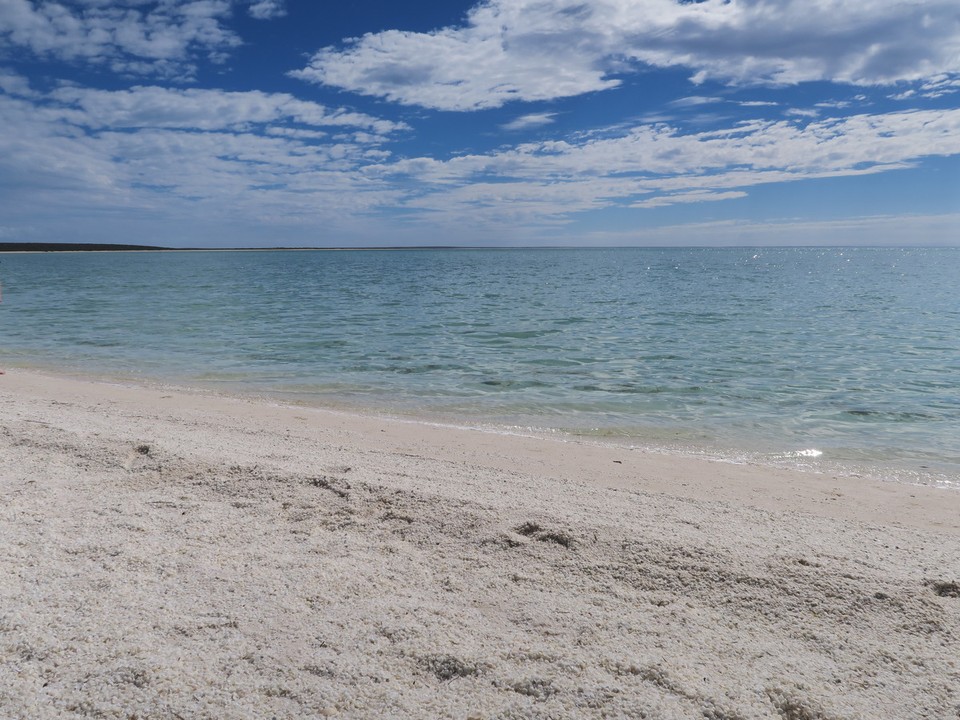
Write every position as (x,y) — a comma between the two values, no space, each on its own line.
(262,123)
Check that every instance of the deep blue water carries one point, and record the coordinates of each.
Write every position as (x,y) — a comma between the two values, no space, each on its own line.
(759,353)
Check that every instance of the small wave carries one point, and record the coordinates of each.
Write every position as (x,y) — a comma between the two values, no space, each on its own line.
(514,384)
(808,453)
(628,389)
(427,368)
(97,343)
(895,416)
(551,362)
(501,337)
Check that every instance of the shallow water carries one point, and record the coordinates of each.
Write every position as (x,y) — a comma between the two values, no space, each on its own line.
(765,354)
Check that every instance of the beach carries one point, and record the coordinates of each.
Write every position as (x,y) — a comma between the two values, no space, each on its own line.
(180,554)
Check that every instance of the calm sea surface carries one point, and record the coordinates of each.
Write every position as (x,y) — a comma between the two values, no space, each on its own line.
(770,355)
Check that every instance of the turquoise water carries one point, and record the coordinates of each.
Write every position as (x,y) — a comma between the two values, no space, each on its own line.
(765,354)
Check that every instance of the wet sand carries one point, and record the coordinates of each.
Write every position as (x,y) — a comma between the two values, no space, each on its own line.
(173,554)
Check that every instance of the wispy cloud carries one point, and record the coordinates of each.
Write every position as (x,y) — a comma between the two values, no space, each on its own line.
(267,9)
(694,101)
(15,84)
(195,109)
(939,86)
(531,120)
(155,156)
(690,197)
(510,50)
(646,167)
(654,153)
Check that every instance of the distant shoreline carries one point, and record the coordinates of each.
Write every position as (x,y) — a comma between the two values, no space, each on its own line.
(72,247)
(22,247)
(26,247)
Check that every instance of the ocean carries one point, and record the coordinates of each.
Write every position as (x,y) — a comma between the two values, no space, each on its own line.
(843,360)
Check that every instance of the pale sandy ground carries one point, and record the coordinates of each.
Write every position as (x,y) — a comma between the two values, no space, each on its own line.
(174,555)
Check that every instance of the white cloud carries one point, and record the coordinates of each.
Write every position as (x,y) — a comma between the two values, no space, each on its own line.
(542,49)
(161,157)
(169,185)
(531,120)
(690,197)
(661,151)
(939,86)
(499,56)
(653,166)
(905,95)
(297,133)
(156,157)
(195,109)
(694,101)
(15,84)
(267,9)
(130,36)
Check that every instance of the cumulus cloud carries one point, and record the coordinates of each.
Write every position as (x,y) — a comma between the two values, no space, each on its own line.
(129,36)
(543,49)
(506,51)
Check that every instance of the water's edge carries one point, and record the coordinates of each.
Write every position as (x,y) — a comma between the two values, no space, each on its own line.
(840,360)
(805,460)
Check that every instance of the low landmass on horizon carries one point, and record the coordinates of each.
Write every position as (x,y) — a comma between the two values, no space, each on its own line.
(110,247)
(71,247)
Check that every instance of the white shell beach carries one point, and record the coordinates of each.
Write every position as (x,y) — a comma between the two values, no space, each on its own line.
(174,554)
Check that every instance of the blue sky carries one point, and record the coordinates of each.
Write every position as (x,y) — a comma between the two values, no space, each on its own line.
(510,122)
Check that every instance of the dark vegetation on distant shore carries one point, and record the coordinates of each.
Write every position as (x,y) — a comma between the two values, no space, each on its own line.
(63,247)
(104,247)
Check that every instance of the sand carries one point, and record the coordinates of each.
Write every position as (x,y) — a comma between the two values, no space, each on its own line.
(175,554)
